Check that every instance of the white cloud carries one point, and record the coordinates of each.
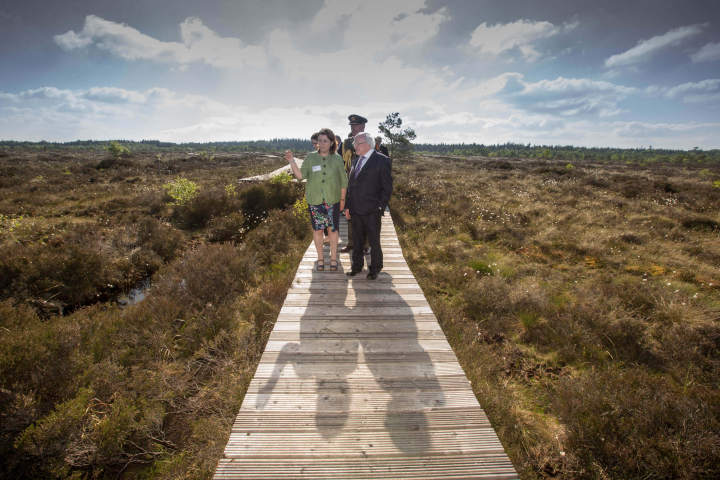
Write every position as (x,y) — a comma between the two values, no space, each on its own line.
(708,53)
(71,40)
(493,86)
(113,95)
(522,34)
(647,49)
(200,44)
(562,96)
(386,40)
(662,130)
(695,92)
(42,93)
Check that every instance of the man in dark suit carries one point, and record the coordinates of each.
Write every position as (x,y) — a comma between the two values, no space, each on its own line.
(369,189)
(347,151)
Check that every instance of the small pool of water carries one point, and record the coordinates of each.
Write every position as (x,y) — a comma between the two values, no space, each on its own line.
(136,295)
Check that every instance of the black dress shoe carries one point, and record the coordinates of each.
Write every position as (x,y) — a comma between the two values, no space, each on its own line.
(346,249)
(372,276)
(352,273)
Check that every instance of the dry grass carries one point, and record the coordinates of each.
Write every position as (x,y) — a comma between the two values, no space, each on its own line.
(584,305)
(92,390)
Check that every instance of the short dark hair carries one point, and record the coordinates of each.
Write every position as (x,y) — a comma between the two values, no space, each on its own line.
(331,136)
(314,136)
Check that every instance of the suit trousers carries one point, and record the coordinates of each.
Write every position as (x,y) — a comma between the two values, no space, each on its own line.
(350,237)
(367,228)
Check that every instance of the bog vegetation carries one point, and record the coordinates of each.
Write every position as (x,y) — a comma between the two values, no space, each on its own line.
(583,303)
(92,389)
(581,298)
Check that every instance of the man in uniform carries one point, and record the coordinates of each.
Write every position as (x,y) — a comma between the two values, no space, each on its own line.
(347,151)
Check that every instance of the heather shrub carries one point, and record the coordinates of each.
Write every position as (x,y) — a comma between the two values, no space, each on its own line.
(38,361)
(114,163)
(205,206)
(74,272)
(164,240)
(229,228)
(155,201)
(278,231)
(258,200)
(209,276)
(145,261)
(626,423)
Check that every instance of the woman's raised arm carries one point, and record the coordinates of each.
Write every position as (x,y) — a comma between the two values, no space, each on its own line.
(289,157)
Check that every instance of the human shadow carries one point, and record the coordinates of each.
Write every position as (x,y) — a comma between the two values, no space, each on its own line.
(344,317)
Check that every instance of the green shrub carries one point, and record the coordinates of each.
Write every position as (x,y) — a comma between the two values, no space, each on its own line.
(482,267)
(282,177)
(117,150)
(301,209)
(181,190)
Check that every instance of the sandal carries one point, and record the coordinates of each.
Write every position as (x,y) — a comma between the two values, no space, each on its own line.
(321,266)
(333,268)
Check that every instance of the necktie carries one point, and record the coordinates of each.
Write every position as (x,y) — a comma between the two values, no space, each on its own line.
(359,165)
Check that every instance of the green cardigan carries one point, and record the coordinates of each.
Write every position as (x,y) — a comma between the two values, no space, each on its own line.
(323,184)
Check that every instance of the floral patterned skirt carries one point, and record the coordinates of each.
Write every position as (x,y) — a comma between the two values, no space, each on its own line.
(325,216)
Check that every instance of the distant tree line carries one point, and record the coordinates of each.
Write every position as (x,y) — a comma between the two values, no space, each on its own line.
(570,152)
(508,150)
(297,144)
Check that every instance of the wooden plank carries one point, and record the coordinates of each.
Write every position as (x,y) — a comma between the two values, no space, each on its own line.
(338,370)
(379,362)
(467,419)
(321,297)
(353,385)
(342,326)
(359,310)
(333,401)
(460,467)
(326,334)
(385,444)
(360,285)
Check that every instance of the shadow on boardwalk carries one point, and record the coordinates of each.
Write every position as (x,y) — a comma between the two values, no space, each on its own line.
(347,337)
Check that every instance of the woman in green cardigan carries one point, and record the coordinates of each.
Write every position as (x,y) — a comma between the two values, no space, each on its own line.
(325,190)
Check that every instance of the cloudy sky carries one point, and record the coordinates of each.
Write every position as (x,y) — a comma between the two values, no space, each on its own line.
(617,73)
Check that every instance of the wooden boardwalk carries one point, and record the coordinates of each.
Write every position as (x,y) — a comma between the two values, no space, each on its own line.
(267,176)
(358,381)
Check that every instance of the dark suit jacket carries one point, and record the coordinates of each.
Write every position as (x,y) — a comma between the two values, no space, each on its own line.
(384,150)
(371,191)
